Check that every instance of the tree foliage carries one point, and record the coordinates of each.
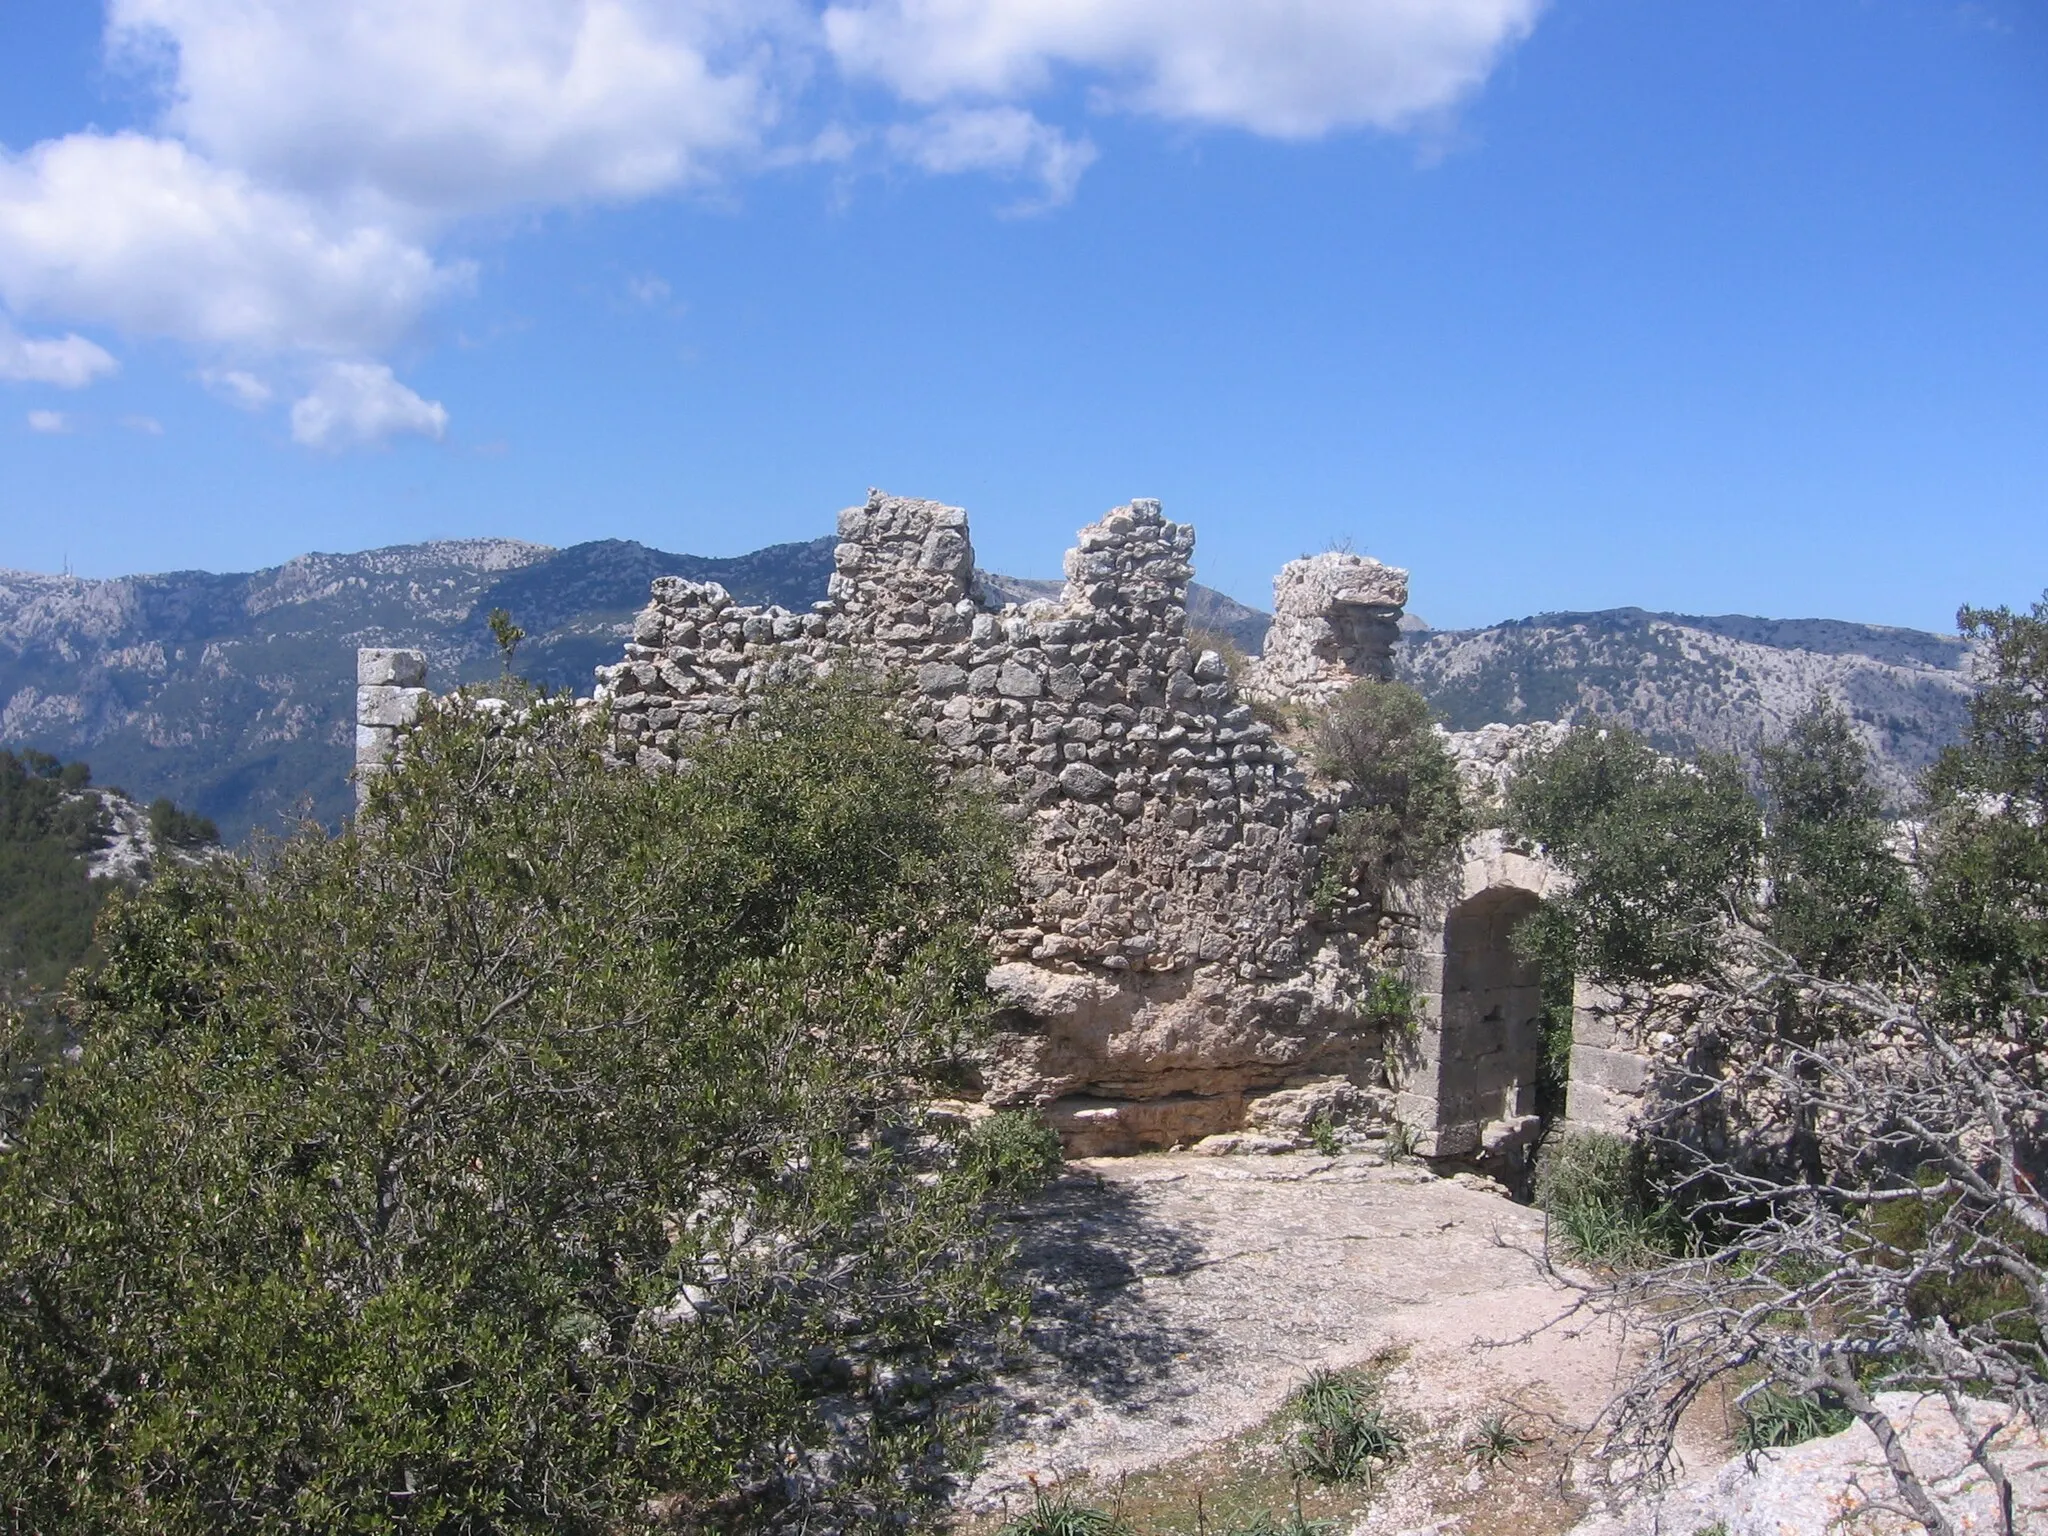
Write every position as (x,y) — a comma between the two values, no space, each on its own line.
(1407,818)
(1851,1068)
(1660,854)
(538,1154)
(48,825)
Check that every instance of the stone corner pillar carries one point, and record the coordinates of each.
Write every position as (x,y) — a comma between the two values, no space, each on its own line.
(1336,619)
(390,691)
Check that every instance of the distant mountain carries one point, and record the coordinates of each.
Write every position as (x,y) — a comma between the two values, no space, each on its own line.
(1207,608)
(1688,682)
(234,694)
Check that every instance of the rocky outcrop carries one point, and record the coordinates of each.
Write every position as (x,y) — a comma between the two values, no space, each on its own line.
(1167,963)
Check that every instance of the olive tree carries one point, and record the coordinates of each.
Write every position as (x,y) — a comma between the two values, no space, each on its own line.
(540,1153)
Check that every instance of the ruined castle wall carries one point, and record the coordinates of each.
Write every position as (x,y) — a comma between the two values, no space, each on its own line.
(1336,618)
(1166,972)
(1166,959)
(1167,829)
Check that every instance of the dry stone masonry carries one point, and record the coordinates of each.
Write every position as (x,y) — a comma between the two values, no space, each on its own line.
(1167,973)
(391,686)
(1336,618)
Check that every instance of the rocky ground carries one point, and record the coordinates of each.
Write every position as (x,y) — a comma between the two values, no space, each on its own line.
(1180,1297)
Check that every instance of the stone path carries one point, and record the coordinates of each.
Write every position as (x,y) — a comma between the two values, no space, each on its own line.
(1180,1297)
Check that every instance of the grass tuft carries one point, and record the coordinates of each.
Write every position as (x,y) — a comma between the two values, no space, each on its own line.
(1773,1419)
(1061,1514)
(1496,1441)
(1341,1433)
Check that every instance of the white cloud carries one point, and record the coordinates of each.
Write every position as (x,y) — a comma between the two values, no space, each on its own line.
(650,290)
(69,362)
(48,421)
(239,385)
(148,426)
(458,106)
(1006,140)
(145,235)
(354,404)
(311,156)
(1287,68)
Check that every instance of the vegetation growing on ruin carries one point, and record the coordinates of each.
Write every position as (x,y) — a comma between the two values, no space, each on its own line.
(540,1154)
(1408,818)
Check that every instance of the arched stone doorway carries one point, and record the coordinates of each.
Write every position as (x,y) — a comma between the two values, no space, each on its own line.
(1470,1087)
(1491,1030)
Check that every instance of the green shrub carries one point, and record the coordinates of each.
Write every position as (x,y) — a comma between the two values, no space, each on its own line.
(1341,1433)
(180,829)
(1601,1201)
(524,1154)
(1659,852)
(1772,1419)
(1013,1153)
(1323,1135)
(1061,1514)
(1409,818)
(1495,1440)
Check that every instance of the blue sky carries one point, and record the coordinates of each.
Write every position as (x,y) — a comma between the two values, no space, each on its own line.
(1707,305)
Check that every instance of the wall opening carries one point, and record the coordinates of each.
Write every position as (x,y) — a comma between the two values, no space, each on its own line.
(1490,1053)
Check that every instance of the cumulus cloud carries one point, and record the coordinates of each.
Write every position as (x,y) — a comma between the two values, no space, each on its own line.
(1006,140)
(69,362)
(353,403)
(50,422)
(145,235)
(1290,69)
(459,106)
(282,217)
(238,385)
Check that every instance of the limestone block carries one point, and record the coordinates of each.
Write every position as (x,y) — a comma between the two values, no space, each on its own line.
(381,667)
(373,744)
(1016,681)
(1621,1072)
(389,706)
(1043,993)
(1084,782)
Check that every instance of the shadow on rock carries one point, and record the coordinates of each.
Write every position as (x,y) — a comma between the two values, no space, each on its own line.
(1085,1249)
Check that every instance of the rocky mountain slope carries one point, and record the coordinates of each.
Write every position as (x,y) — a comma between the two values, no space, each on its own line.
(233,694)
(1722,683)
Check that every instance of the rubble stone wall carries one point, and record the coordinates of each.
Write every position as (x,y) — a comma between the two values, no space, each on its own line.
(1167,972)
(1336,618)
(1166,962)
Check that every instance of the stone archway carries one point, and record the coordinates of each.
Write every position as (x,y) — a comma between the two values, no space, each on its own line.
(1470,1084)
(1490,1025)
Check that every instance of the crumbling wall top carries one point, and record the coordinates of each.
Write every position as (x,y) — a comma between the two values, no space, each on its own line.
(1336,618)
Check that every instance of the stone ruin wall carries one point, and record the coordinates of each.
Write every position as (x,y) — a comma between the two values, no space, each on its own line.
(1166,973)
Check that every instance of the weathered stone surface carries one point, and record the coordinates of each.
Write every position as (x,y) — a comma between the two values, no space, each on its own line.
(1836,1484)
(378,666)
(389,707)
(1336,618)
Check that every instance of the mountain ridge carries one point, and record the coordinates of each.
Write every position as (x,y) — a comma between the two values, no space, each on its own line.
(232,692)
